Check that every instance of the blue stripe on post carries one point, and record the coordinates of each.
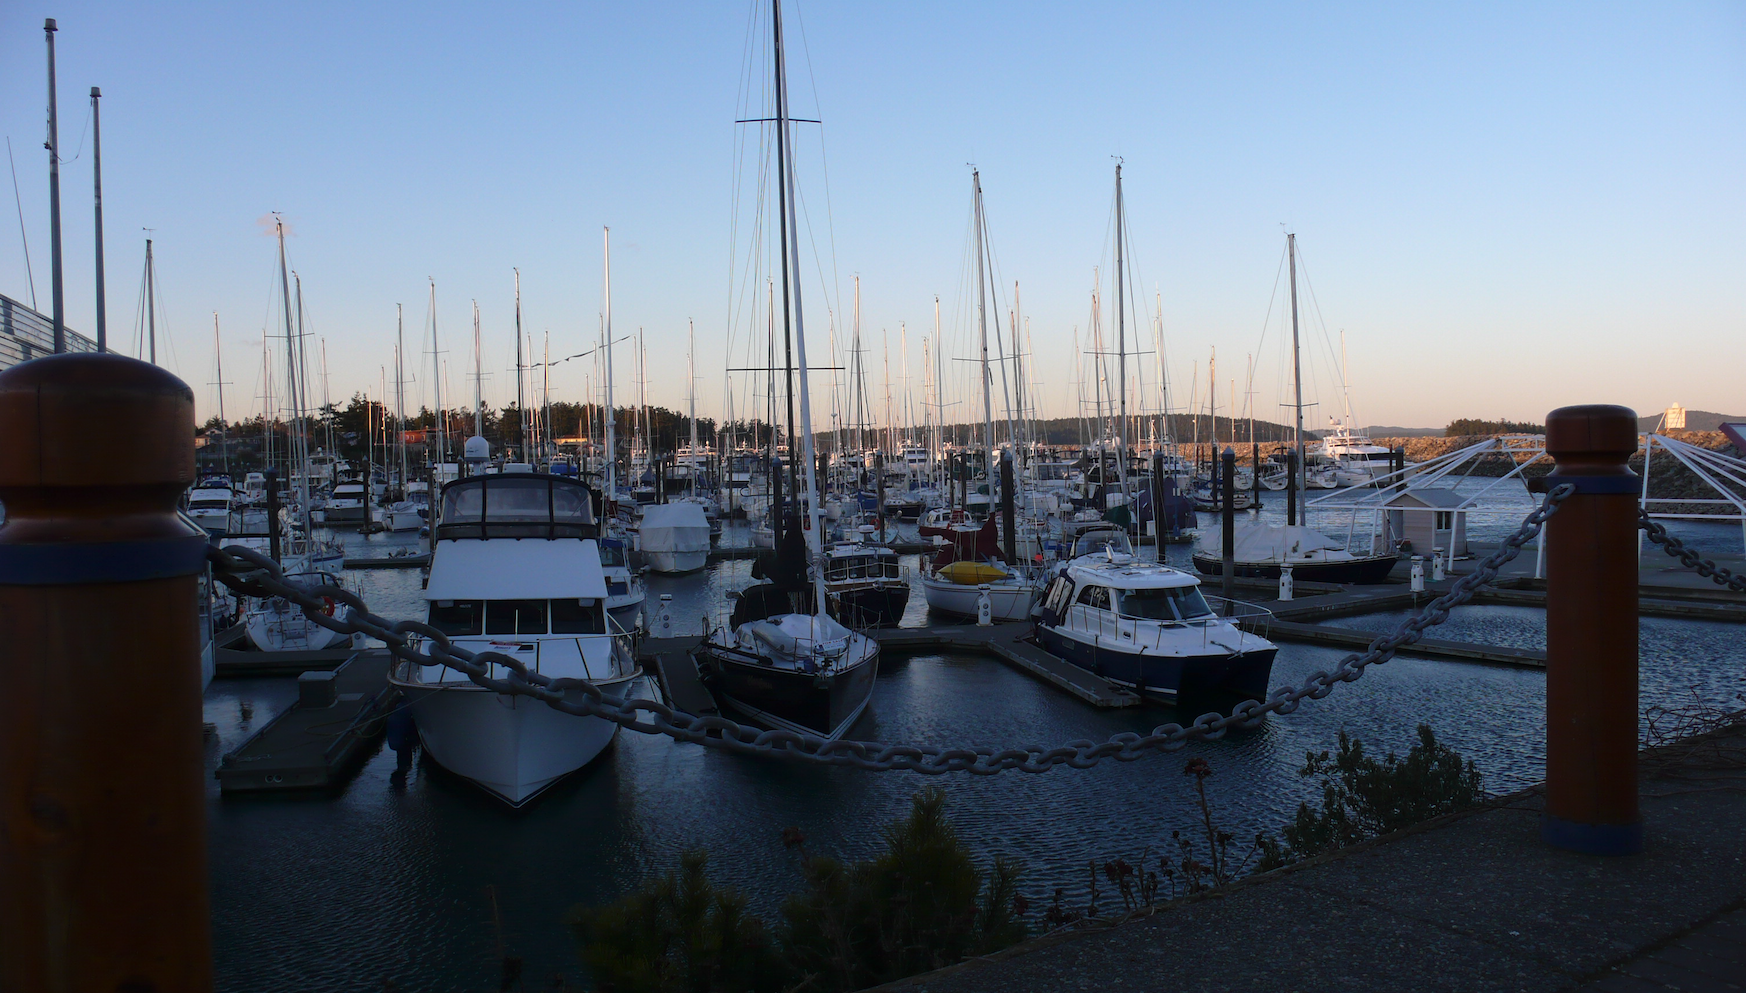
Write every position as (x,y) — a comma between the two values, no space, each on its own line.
(102,562)
(1591,839)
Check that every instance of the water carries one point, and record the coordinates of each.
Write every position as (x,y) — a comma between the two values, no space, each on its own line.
(420,880)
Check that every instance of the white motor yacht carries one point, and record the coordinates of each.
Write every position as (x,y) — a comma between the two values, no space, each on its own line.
(211,506)
(625,593)
(1146,627)
(515,568)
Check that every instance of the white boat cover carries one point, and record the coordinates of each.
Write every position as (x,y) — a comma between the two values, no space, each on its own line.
(799,635)
(1256,542)
(674,527)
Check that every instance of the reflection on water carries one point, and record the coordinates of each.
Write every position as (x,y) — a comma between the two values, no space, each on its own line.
(396,880)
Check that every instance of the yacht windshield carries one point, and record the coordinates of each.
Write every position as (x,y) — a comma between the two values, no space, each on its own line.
(1094,542)
(1175,603)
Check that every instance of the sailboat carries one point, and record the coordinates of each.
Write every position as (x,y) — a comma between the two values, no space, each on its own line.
(795,668)
(970,567)
(274,624)
(625,594)
(1258,550)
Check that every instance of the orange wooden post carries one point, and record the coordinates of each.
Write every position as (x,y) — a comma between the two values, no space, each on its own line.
(1591,635)
(103,883)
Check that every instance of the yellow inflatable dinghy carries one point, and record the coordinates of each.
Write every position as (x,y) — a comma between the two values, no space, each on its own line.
(971,573)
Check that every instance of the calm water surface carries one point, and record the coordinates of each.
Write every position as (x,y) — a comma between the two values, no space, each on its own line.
(421,879)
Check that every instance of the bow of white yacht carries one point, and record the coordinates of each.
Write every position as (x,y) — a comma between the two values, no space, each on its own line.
(516,569)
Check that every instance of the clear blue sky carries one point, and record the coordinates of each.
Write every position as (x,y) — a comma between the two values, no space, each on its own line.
(1506,207)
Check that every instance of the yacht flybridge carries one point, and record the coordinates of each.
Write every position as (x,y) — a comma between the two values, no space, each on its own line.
(515,569)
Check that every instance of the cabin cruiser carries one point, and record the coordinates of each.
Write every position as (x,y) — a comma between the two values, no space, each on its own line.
(1146,627)
(515,569)
(865,582)
(624,589)
(346,504)
(210,505)
(254,491)
(1357,460)
(1258,550)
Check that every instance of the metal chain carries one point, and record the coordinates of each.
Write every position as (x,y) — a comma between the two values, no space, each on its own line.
(1688,557)
(253,574)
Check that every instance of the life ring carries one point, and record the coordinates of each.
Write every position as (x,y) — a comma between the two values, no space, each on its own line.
(327,605)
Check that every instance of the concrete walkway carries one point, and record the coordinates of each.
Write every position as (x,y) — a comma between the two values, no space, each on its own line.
(1469,902)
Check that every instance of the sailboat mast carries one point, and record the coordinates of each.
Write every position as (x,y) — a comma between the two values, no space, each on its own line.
(982,326)
(783,193)
(218,353)
(520,396)
(791,250)
(1297,372)
(691,392)
(1121,339)
(290,343)
(478,378)
(610,420)
(151,281)
(400,393)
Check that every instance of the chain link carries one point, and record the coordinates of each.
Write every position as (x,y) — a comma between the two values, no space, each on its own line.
(251,573)
(1688,557)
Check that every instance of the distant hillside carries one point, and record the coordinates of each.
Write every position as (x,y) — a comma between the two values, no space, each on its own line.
(1695,420)
(1390,431)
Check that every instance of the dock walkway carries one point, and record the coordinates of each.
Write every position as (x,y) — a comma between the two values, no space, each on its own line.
(1473,901)
(1010,642)
(314,743)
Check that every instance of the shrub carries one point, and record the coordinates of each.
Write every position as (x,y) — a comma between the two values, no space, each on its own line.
(1362,798)
(921,905)
(679,934)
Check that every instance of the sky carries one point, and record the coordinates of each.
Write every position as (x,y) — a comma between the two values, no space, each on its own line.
(1501,208)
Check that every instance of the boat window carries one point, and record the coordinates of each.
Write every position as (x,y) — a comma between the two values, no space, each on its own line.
(577,617)
(1060,595)
(612,553)
(1175,603)
(515,616)
(454,617)
(1095,597)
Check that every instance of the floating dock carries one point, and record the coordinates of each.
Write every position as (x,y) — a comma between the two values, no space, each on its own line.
(1351,638)
(417,561)
(315,743)
(671,662)
(1009,642)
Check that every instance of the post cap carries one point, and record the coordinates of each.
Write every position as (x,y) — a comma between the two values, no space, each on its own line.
(94,420)
(1590,430)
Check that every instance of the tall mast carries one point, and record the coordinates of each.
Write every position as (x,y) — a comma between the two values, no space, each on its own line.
(783,193)
(546,399)
(1018,365)
(151,279)
(54,149)
(1297,372)
(982,326)
(478,378)
(294,361)
(691,394)
(791,250)
(400,393)
(224,426)
(610,418)
(520,397)
(97,200)
(1121,342)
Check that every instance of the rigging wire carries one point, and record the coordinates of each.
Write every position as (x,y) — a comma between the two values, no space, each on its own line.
(22,234)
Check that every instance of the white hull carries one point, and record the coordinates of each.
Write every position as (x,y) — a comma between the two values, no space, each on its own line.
(676,562)
(1007,602)
(404,520)
(274,630)
(511,746)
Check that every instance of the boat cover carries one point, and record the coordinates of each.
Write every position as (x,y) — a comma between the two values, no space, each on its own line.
(1256,542)
(800,635)
(674,527)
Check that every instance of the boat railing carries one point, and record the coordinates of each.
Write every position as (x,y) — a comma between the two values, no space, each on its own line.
(1248,616)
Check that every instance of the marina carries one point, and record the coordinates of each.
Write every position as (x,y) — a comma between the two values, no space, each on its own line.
(994,571)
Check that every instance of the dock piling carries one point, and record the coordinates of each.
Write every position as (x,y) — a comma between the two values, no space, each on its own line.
(1230,525)
(1591,634)
(103,881)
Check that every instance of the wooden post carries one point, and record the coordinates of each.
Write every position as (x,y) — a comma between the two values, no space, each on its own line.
(1230,524)
(1591,635)
(103,882)
(1291,470)
(1007,522)
(273,513)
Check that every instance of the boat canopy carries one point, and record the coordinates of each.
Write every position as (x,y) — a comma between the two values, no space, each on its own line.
(516,506)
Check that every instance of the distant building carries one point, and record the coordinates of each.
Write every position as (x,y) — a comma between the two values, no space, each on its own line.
(26,334)
(1675,420)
